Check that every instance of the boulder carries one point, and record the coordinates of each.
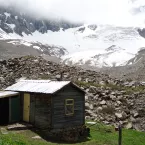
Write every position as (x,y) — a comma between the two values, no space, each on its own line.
(129,125)
(79,79)
(102,83)
(93,89)
(119,103)
(90,96)
(103,102)
(124,115)
(118,115)
(91,106)
(87,105)
(112,97)
(136,114)
(132,119)
(2,80)
(87,118)
(86,97)
(99,109)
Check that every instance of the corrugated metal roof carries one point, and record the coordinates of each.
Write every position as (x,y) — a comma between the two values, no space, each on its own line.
(4,94)
(38,86)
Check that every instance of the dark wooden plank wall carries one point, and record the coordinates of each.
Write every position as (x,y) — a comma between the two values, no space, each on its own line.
(42,111)
(59,119)
(21,105)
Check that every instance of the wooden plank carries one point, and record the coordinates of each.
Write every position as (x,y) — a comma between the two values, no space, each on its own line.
(42,111)
(59,119)
(26,108)
(32,109)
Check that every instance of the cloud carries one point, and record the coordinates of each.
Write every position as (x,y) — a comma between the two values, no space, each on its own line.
(116,12)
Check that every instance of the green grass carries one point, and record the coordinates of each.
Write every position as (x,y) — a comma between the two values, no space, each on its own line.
(103,135)
(128,90)
(45,77)
(100,135)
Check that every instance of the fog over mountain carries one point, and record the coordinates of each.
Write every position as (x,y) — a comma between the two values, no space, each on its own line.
(115,12)
(98,33)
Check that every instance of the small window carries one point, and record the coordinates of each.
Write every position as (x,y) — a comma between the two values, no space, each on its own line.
(69,107)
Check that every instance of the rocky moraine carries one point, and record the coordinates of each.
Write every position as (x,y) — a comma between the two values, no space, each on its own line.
(107,100)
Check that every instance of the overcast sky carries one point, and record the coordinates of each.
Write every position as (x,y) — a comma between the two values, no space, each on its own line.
(116,12)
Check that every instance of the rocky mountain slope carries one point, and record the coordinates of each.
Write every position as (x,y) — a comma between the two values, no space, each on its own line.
(107,100)
(134,69)
(87,44)
(13,24)
(17,47)
(108,46)
(12,21)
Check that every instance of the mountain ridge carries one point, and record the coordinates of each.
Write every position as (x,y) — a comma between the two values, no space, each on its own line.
(78,44)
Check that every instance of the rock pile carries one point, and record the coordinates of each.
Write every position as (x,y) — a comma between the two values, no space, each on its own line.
(107,100)
(37,68)
(114,106)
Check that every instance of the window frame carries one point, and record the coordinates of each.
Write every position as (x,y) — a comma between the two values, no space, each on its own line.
(69,104)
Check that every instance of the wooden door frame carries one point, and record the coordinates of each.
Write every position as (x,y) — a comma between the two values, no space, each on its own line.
(26,120)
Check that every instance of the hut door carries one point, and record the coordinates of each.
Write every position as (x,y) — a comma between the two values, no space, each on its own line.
(26,111)
(14,109)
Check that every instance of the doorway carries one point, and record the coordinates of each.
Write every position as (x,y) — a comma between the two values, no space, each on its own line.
(4,111)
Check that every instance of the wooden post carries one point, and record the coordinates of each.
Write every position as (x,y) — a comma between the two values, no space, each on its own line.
(120,135)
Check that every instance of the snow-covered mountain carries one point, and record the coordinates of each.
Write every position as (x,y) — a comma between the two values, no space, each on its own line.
(105,46)
(110,57)
(138,58)
(77,44)
(94,45)
(18,47)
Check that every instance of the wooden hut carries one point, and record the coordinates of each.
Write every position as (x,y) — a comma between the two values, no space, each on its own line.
(51,104)
(9,107)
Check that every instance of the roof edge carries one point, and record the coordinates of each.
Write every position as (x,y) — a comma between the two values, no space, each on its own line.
(54,91)
(73,84)
(9,95)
